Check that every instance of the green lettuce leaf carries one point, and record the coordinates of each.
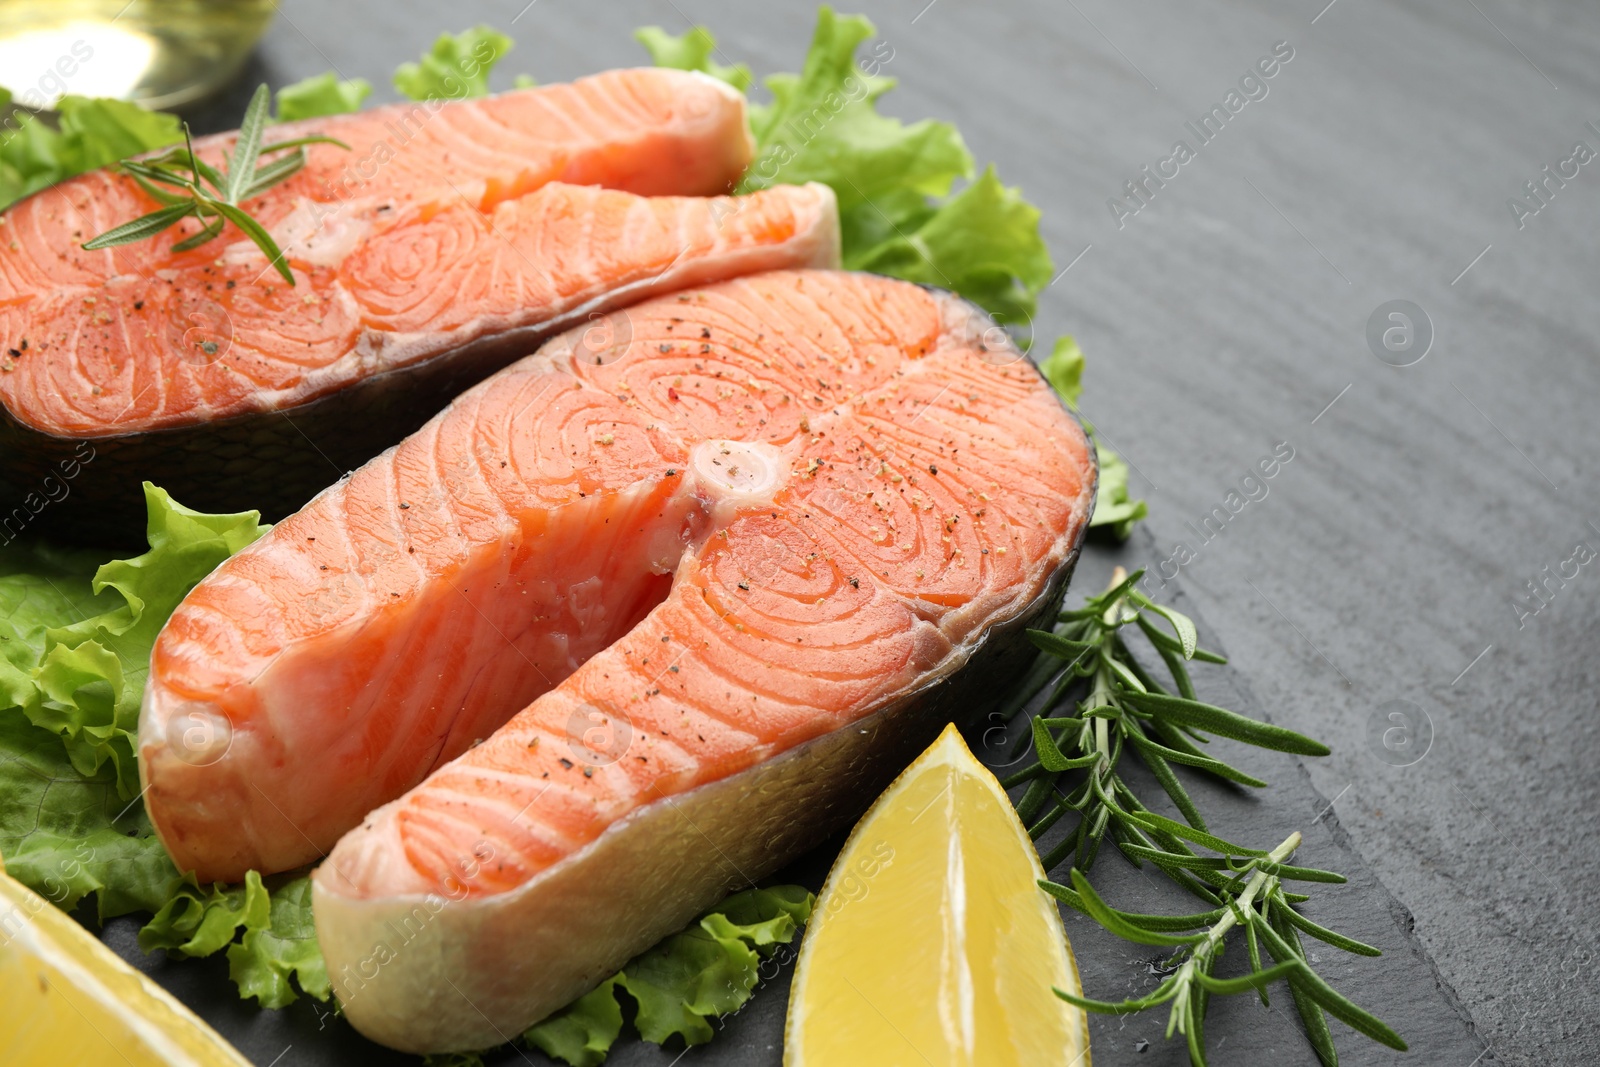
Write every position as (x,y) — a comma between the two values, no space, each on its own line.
(75,645)
(200,922)
(279,943)
(690,51)
(1114,507)
(97,132)
(67,835)
(457,67)
(322,94)
(823,125)
(40,587)
(983,243)
(582,1033)
(82,678)
(1063,369)
(89,133)
(279,937)
(707,970)
(893,180)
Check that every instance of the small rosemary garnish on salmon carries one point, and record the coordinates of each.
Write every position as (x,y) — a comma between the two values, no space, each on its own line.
(1104,704)
(211,195)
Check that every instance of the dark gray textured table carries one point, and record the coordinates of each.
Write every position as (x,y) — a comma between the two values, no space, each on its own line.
(1389,560)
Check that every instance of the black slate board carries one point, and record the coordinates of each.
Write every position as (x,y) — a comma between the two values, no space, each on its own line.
(1402,986)
(1227,316)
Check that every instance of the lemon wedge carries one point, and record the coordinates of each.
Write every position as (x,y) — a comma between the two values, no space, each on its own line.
(69,1000)
(931,944)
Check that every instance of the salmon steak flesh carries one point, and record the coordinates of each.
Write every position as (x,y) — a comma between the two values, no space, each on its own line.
(634,621)
(448,241)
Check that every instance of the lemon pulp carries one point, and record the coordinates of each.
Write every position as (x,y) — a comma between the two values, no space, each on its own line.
(931,943)
(69,999)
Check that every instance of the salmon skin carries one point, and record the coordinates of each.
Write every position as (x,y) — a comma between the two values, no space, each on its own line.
(725,569)
(450,241)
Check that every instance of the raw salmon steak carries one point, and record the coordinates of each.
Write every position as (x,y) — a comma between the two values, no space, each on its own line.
(449,241)
(724,577)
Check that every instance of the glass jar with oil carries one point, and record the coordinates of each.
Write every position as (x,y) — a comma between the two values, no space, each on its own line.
(159,53)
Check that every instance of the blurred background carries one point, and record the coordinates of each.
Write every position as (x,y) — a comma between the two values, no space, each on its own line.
(160,53)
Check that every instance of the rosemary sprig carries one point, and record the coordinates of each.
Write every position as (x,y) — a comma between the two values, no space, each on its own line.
(1253,899)
(1122,708)
(1126,708)
(211,195)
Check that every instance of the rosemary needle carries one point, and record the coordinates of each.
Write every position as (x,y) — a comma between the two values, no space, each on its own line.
(213,195)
